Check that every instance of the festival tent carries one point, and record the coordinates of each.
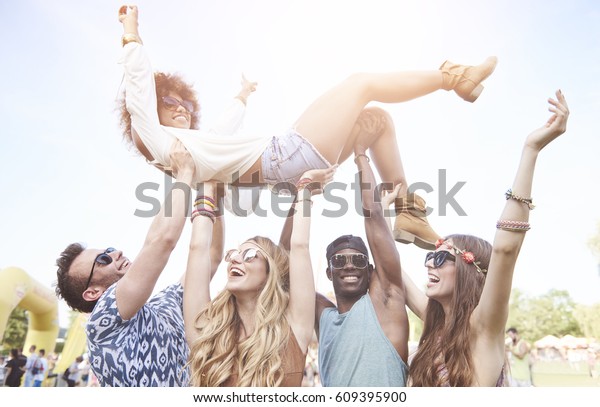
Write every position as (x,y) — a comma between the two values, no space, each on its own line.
(571,342)
(548,341)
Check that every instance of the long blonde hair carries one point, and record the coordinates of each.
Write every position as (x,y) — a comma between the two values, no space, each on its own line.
(445,339)
(217,352)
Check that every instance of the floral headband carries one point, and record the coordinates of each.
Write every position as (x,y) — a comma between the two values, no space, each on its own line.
(467,257)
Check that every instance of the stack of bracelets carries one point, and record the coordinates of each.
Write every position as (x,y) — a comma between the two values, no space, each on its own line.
(516,225)
(204,206)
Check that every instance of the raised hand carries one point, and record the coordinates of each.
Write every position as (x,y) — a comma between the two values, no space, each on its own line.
(128,16)
(247,88)
(248,85)
(318,178)
(554,127)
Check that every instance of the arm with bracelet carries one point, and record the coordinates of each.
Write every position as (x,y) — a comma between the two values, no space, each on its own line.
(200,268)
(386,287)
(469,284)
(490,316)
(301,312)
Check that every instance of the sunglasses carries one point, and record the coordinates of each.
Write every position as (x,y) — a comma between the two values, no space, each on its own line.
(171,103)
(338,261)
(439,258)
(102,258)
(247,255)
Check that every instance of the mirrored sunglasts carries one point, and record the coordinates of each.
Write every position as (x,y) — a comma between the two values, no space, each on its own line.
(102,258)
(171,103)
(439,258)
(247,255)
(360,261)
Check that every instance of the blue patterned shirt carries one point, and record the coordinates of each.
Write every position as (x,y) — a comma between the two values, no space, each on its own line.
(149,350)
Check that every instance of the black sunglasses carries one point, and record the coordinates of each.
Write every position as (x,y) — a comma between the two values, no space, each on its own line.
(439,258)
(102,258)
(338,261)
(247,255)
(171,103)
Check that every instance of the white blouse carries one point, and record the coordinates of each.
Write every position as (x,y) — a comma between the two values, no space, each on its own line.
(218,152)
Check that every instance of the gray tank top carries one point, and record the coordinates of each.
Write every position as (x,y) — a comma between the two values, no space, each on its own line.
(354,351)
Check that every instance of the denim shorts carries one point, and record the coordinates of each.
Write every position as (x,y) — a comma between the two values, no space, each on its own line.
(286,158)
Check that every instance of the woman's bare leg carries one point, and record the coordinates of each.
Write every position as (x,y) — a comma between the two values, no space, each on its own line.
(329,120)
(374,130)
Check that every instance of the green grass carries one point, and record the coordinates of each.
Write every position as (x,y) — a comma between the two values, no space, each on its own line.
(564,374)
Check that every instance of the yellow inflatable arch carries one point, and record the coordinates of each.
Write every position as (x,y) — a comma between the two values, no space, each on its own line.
(18,288)
(75,344)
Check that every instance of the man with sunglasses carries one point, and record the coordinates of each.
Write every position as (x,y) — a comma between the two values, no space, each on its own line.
(135,340)
(363,341)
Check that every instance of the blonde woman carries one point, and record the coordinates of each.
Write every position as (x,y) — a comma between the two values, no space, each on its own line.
(256,332)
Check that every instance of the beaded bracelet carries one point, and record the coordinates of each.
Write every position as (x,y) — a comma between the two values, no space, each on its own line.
(206,214)
(527,201)
(204,202)
(202,209)
(513,225)
(357,156)
(205,198)
(202,212)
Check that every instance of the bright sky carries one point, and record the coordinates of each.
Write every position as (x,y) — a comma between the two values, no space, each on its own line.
(67,176)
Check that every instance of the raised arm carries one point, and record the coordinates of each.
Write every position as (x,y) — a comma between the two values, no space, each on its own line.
(232,118)
(415,297)
(301,311)
(321,302)
(386,277)
(136,286)
(140,91)
(492,312)
(199,271)
(248,87)
(217,242)
(385,287)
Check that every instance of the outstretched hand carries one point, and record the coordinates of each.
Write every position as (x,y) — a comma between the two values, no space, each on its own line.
(247,85)
(319,178)
(554,127)
(247,88)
